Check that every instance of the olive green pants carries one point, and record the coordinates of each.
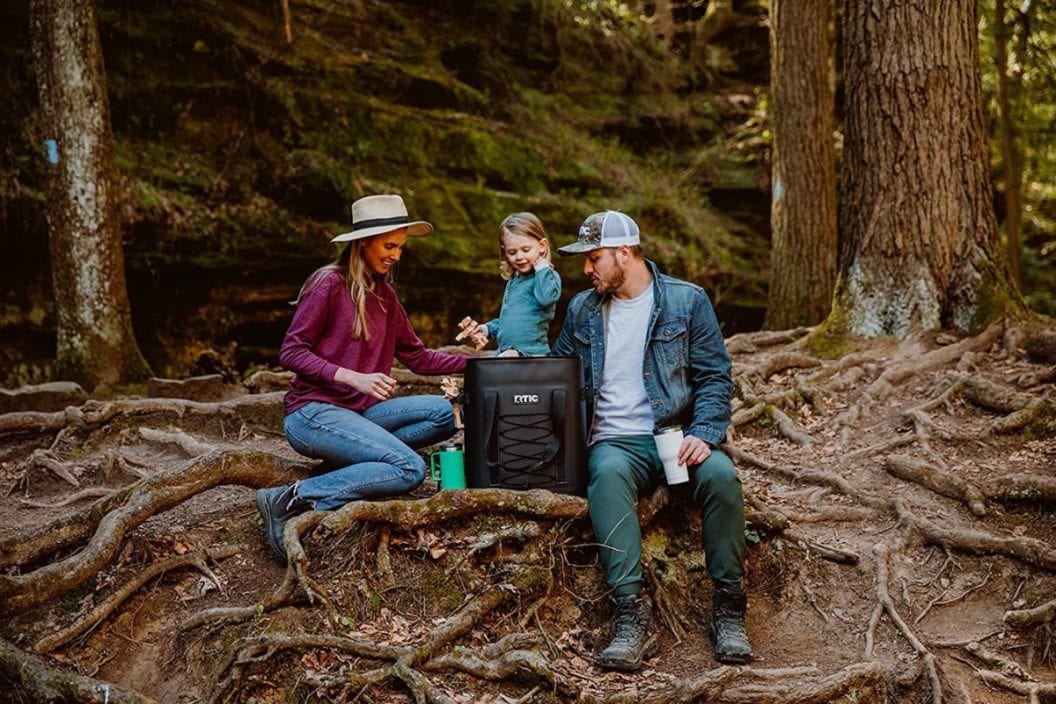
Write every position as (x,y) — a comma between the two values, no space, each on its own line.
(621,469)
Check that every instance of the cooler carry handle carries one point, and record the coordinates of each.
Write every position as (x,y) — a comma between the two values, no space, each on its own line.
(557,418)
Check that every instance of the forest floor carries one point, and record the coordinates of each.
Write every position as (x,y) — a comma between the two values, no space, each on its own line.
(902,547)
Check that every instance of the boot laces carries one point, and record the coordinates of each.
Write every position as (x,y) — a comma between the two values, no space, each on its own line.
(627,622)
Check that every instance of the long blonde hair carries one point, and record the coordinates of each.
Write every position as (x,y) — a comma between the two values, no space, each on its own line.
(358,280)
(524,224)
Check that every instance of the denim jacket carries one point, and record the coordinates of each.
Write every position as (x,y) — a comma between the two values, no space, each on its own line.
(686,369)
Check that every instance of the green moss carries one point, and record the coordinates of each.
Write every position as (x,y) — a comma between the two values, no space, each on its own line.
(825,343)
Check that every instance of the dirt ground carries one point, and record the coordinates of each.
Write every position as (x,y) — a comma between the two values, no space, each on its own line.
(827,446)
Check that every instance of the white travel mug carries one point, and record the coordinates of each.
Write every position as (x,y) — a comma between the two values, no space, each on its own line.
(668,441)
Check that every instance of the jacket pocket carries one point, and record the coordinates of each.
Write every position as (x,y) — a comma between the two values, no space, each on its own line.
(670,356)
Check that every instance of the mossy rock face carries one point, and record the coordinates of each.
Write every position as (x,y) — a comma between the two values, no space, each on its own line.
(241,153)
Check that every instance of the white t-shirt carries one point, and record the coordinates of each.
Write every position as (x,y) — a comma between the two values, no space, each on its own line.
(623,405)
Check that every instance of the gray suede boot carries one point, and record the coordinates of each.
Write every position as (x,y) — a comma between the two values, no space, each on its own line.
(278,505)
(631,641)
(727,625)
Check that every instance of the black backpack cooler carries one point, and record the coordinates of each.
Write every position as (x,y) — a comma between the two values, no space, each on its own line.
(525,424)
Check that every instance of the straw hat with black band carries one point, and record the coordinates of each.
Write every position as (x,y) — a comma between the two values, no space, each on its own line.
(376,215)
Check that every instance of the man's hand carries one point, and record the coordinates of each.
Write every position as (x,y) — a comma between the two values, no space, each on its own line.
(693,451)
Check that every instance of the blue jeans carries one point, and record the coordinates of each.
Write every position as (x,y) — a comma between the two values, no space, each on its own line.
(373,452)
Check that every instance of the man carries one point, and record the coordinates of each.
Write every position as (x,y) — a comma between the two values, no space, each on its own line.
(653,356)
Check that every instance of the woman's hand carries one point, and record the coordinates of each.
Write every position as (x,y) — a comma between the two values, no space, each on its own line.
(380,386)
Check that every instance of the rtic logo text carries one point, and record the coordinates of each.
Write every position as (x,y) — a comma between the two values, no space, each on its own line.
(525,398)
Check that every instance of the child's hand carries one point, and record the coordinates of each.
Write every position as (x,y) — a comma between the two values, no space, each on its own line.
(479,338)
(467,326)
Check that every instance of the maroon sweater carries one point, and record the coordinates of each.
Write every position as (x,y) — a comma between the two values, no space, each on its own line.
(319,341)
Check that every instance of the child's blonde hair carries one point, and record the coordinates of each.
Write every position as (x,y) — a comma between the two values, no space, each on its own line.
(524,224)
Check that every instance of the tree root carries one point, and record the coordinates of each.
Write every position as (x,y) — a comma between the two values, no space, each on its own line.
(1037,692)
(897,441)
(826,552)
(525,663)
(100,612)
(46,460)
(448,505)
(186,444)
(788,428)
(882,553)
(404,658)
(1027,550)
(992,397)
(899,372)
(748,342)
(382,559)
(1010,675)
(220,615)
(868,681)
(826,514)
(905,467)
(33,681)
(829,479)
(1027,618)
(94,413)
(1014,422)
(92,492)
(124,511)
(1013,488)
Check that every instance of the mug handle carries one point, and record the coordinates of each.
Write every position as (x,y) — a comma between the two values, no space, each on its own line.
(434,473)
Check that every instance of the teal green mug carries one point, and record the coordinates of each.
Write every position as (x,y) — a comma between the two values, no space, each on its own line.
(452,470)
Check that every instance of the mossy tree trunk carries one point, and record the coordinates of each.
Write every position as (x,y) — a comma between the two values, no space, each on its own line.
(803,212)
(96,345)
(919,239)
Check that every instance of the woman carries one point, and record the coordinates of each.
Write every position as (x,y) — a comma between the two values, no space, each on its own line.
(339,408)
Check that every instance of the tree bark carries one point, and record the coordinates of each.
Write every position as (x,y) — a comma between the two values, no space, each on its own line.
(1010,163)
(920,248)
(803,215)
(95,344)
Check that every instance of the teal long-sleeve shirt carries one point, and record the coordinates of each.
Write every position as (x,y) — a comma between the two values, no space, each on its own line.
(527,308)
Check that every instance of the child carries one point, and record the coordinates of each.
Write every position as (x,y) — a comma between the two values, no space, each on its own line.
(532,291)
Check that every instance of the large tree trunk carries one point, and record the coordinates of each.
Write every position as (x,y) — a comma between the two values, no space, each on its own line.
(1010,162)
(920,248)
(94,326)
(803,215)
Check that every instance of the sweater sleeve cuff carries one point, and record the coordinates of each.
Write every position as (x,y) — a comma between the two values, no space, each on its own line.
(330,371)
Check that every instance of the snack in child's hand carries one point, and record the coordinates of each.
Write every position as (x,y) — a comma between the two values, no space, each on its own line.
(468,326)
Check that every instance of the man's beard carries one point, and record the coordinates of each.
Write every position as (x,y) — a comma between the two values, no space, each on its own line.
(613,282)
